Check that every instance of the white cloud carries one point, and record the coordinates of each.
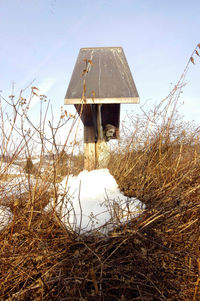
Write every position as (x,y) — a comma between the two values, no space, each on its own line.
(43,87)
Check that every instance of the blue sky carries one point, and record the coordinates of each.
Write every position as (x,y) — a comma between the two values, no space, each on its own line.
(40,40)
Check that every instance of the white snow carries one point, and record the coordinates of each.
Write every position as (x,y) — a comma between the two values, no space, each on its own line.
(19,185)
(92,201)
(36,160)
(5,217)
(10,169)
(15,186)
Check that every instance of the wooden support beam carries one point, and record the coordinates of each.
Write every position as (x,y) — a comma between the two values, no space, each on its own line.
(89,148)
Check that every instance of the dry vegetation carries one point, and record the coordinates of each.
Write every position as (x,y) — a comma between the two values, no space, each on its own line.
(154,257)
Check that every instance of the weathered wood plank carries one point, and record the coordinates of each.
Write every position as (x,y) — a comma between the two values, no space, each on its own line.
(89,148)
(107,80)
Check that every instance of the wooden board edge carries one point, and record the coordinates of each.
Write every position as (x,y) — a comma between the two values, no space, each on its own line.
(123,100)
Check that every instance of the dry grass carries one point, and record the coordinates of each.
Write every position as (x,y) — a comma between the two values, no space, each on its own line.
(154,257)
(166,178)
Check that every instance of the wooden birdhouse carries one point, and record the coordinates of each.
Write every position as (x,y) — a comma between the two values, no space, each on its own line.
(100,82)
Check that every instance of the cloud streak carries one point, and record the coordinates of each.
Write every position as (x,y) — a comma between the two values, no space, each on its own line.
(43,87)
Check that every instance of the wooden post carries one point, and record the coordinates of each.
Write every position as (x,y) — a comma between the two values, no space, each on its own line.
(89,148)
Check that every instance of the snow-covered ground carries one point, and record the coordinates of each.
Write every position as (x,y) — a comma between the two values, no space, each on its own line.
(92,201)
(15,186)
(36,160)
(5,217)
(10,169)
(18,185)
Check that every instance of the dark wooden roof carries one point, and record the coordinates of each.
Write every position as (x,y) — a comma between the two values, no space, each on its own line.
(108,79)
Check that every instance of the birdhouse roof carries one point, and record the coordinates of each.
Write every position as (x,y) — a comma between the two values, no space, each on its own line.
(101,75)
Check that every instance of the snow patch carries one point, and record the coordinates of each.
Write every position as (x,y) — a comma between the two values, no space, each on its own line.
(92,201)
(5,217)
(10,169)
